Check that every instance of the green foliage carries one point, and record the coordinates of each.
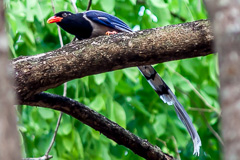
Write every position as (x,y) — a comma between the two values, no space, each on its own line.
(123,96)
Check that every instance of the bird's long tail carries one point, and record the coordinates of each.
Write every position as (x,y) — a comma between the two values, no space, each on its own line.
(168,97)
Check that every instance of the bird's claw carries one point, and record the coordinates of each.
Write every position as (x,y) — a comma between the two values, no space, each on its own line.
(110,33)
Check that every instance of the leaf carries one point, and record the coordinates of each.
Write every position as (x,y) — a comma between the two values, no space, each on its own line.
(30,35)
(172,64)
(160,124)
(99,78)
(79,144)
(105,153)
(185,87)
(107,5)
(44,9)
(65,129)
(30,10)
(132,74)
(139,106)
(118,75)
(95,134)
(159,3)
(207,98)
(167,79)
(31,3)
(124,88)
(110,108)
(188,66)
(133,2)
(85,80)
(182,138)
(19,8)
(160,9)
(22,128)
(66,125)
(119,113)
(98,104)
(213,71)
(11,46)
(210,90)
(68,143)
(46,113)
(94,2)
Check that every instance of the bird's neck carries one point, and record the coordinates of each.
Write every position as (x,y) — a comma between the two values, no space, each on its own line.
(77,25)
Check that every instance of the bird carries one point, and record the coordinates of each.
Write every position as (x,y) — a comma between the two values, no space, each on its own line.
(95,23)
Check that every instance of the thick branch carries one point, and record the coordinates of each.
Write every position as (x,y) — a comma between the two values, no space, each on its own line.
(35,74)
(226,23)
(100,123)
(9,138)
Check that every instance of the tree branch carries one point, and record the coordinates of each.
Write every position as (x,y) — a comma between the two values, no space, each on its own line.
(226,29)
(100,123)
(34,74)
(9,137)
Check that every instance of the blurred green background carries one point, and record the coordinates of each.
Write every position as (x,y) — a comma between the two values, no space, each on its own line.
(123,96)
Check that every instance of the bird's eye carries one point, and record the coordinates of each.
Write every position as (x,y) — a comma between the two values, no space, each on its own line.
(64,15)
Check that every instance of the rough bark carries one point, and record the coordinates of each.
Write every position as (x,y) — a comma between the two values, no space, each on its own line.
(100,123)
(226,25)
(35,74)
(9,143)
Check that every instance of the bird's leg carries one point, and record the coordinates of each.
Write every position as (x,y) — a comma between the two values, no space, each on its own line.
(109,32)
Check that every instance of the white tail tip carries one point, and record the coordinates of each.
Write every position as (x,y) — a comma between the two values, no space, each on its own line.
(197,144)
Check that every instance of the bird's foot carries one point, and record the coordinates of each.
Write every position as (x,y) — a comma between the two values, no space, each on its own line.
(110,33)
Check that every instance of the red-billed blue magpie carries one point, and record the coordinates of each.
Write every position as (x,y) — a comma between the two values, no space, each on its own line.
(95,23)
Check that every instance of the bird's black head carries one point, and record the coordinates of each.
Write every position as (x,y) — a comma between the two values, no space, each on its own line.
(60,17)
(74,24)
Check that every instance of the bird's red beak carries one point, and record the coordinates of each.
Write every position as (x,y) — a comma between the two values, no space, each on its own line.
(54,19)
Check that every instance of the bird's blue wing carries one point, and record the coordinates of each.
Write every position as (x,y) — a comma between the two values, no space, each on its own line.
(107,20)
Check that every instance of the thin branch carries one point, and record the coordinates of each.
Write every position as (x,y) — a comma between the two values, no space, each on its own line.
(212,130)
(178,16)
(59,30)
(176,147)
(162,141)
(64,94)
(195,90)
(65,90)
(60,35)
(100,123)
(89,4)
(201,109)
(53,8)
(54,136)
(76,11)
(39,158)
(74,6)
(195,104)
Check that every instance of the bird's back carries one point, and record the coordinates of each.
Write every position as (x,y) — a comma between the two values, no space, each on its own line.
(107,20)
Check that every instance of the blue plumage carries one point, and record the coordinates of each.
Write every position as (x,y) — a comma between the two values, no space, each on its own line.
(107,20)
